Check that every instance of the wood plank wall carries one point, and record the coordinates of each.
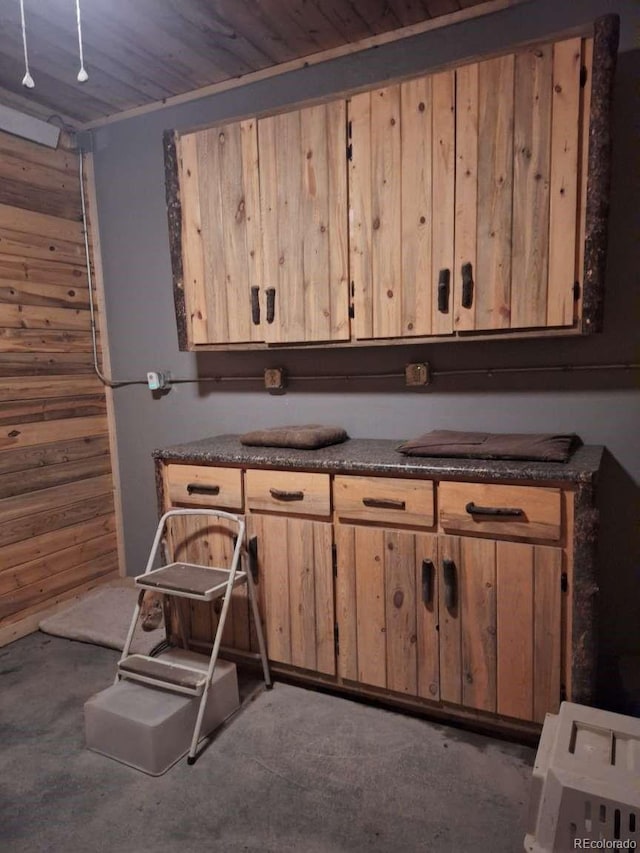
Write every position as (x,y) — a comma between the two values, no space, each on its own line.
(57,519)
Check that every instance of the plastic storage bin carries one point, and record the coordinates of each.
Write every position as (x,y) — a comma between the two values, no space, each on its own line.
(150,728)
(586,782)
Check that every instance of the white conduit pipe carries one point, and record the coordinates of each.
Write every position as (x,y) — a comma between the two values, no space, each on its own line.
(111,383)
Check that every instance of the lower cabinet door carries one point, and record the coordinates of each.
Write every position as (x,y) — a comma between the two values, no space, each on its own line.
(209,543)
(387,609)
(500,626)
(295,589)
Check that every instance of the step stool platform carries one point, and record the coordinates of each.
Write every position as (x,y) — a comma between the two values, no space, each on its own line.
(160,672)
(202,583)
(150,728)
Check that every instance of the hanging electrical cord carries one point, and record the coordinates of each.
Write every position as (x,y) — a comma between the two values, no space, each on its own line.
(27,80)
(82,73)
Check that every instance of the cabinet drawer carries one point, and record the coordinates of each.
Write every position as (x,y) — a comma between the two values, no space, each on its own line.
(384,500)
(527,512)
(288,491)
(203,485)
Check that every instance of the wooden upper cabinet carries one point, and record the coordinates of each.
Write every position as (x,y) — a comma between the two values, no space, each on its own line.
(401,191)
(303,194)
(450,204)
(221,232)
(522,135)
(264,229)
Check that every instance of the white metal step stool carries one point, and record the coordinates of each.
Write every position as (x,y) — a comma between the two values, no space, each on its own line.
(197,583)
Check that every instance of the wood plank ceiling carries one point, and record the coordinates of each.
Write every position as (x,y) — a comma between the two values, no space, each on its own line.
(138,52)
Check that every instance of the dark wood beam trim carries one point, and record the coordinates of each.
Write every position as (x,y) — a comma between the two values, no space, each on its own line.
(174,216)
(605,50)
(584,597)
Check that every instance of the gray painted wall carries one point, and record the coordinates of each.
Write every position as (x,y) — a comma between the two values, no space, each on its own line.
(604,408)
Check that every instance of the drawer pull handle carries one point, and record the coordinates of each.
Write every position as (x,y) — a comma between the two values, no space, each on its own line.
(281,495)
(197,489)
(384,503)
(467,285)
(271,304)
(255,305)
(427,581)
(450,584)
(502,511)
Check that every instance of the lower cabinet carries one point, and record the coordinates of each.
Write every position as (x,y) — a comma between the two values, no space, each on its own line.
(439,592)
(500,626)
(387,609)
(295,589)
(467,621)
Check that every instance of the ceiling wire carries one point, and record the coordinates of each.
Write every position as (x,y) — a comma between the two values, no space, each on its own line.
(27,80)
(82,73)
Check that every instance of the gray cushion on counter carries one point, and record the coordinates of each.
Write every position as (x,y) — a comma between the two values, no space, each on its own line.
(543,447)
(304,437)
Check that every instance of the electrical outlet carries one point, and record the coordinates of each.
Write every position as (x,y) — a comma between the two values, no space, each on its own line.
(417,374)
(274,378)
(159,380)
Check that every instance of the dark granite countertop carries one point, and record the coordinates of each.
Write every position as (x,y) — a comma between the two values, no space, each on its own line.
(379,456)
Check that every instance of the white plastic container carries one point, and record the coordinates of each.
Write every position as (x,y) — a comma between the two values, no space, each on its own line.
(150,728)
(586,782)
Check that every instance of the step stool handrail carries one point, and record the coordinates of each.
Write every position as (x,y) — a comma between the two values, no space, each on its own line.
(215,513)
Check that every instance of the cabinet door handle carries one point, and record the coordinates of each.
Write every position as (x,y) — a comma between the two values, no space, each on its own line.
(198,489)
(252,551)
(467,285)
(427,581)
(281,495)
(443,291)
(271,304)
(255,305)
(384,503)
(449,575)
(502,511)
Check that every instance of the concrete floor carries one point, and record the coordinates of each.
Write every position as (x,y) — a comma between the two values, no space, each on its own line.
(295,771)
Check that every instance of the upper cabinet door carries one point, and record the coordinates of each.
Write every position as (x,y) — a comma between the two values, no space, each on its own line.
(401,191)
(221,235)
(303,194)
(521,125)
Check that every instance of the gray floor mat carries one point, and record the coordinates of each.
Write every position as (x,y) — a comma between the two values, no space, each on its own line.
(103,618)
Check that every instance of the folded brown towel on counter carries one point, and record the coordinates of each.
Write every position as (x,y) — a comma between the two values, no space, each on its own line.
(306,437)
(545,447)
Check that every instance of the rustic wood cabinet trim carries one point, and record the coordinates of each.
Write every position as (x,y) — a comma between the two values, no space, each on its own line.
(605,52)
(174,216)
